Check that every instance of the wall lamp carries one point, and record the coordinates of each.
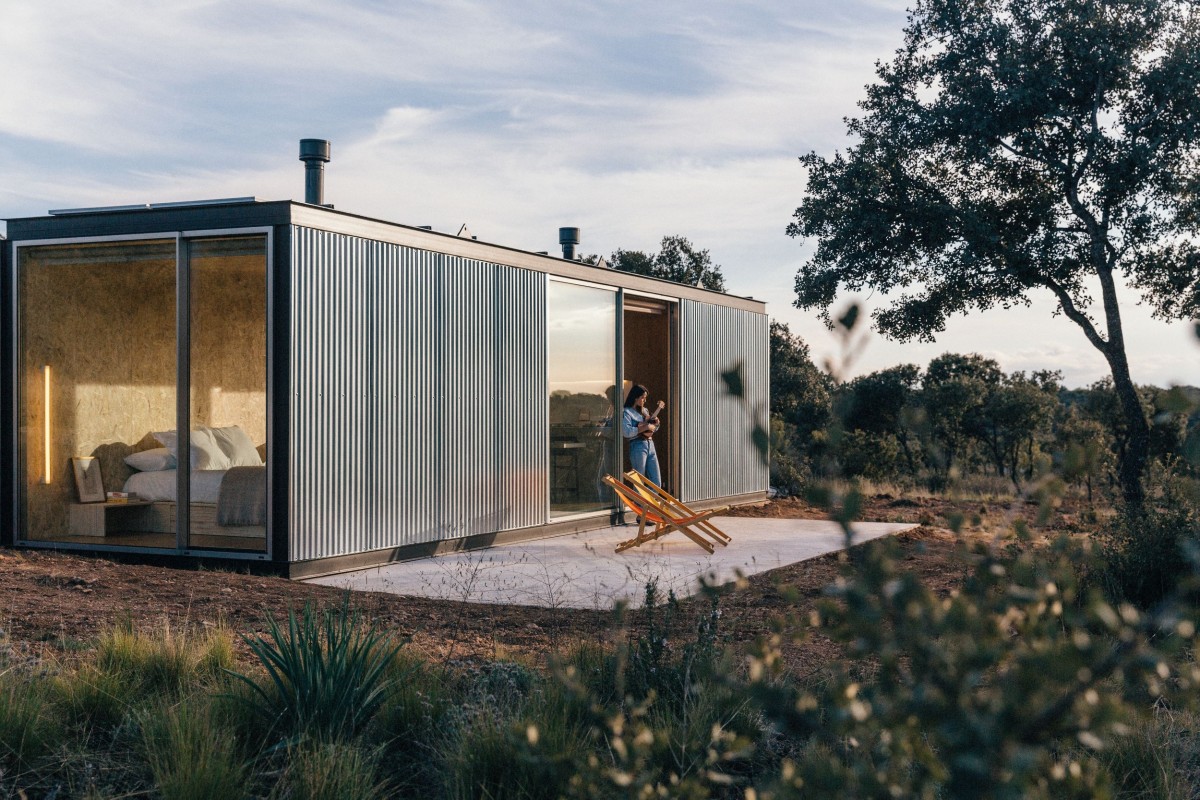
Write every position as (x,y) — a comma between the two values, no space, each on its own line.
(46,423)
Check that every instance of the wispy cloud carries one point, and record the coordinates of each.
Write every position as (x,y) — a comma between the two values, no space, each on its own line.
(629,120)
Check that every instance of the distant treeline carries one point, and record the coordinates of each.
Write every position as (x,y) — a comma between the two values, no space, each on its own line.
(961,416)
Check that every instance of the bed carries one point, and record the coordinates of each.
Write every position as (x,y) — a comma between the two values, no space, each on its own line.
(228,502)
(227,490)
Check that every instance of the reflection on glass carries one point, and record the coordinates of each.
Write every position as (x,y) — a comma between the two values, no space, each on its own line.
(97,375)
(228,399)
(582,357)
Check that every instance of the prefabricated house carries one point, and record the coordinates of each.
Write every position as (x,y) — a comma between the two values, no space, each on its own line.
(356,391)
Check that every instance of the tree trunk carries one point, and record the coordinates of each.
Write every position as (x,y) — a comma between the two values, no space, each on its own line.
(1134,457)
(1132,465)
(908,456)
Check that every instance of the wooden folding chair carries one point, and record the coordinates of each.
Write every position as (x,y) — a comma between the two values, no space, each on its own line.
(676,507)
(649,513)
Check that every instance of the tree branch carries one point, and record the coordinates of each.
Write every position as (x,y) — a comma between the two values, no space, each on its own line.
(1075,315)
(1040,159)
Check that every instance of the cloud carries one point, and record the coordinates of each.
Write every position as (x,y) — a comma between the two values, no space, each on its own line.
(632,121)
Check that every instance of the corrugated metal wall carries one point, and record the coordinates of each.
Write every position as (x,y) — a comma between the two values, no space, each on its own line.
(717,454)
(418,410)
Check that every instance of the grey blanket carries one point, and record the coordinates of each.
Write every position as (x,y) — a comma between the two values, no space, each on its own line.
(243,497)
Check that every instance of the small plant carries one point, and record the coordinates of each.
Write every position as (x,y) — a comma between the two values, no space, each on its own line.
(657,664)
(1158,759)
(328,673)
(164,660)
(191,756)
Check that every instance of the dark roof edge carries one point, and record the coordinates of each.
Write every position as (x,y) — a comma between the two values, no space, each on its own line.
(312,216)
(218,216)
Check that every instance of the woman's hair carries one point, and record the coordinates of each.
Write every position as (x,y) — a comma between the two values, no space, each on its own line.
(637,391)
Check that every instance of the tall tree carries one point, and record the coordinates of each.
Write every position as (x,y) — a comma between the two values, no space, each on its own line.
(677,260)
(800,406)
(1015,146)
(800,391)
(882,403)
(954,393)
(1018,413)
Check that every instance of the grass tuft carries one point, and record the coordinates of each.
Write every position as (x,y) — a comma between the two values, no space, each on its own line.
(30,728)
(132,667)
(329,771)
(191,754)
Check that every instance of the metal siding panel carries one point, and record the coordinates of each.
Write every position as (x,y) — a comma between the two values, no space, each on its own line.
(717,450)
(418,396)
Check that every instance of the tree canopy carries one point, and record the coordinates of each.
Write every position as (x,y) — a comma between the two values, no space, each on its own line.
(1017,146)
(677,260)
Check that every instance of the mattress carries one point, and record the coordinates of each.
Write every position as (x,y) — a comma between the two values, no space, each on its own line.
(160,485)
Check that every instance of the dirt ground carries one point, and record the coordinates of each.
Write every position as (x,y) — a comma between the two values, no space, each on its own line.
(57,602)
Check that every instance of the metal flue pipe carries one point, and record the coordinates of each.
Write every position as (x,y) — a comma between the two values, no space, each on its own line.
(314,153)
(568,238)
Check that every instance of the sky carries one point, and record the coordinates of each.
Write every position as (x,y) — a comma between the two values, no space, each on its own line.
(629,121)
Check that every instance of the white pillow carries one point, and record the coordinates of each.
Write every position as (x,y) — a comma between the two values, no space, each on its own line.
(237,446)
(155,460)
(205,453)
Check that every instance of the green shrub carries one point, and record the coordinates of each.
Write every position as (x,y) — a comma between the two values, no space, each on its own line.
(164,660)
(789,467)
(98,700)
(659,667)
(663,715)
(868,455)
(1145,550)
(317,770)
(191,755)
(327,673)
(1010,687)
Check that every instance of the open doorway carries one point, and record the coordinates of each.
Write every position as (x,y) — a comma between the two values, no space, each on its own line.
(648,347)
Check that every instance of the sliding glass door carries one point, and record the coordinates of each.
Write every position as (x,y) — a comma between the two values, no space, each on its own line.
(96,366)
(584,398)
(118,343)
(227,398)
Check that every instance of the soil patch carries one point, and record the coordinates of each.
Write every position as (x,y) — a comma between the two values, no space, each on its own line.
(54,601)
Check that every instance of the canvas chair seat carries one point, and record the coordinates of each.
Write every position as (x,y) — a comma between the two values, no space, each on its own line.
(676,508)
(651,511)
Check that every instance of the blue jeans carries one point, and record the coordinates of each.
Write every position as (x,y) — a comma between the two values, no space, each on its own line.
(644,459)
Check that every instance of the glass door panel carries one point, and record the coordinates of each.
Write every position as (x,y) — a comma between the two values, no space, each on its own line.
(227,402)
(582,369)
(97,377)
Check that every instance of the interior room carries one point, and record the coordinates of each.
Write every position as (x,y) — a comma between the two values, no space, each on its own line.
(99,355)
(648,362)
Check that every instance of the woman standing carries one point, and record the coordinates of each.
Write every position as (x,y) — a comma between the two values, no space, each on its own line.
(638,426)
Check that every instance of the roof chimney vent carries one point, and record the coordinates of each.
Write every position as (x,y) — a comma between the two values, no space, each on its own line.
(314,153)
(568,238)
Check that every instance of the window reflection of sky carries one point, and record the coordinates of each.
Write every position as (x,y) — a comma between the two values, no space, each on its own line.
(581,347)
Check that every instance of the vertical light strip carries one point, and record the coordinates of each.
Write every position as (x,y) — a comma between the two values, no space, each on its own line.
(46,423)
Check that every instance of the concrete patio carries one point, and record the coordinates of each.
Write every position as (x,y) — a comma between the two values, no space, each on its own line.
(582,571)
